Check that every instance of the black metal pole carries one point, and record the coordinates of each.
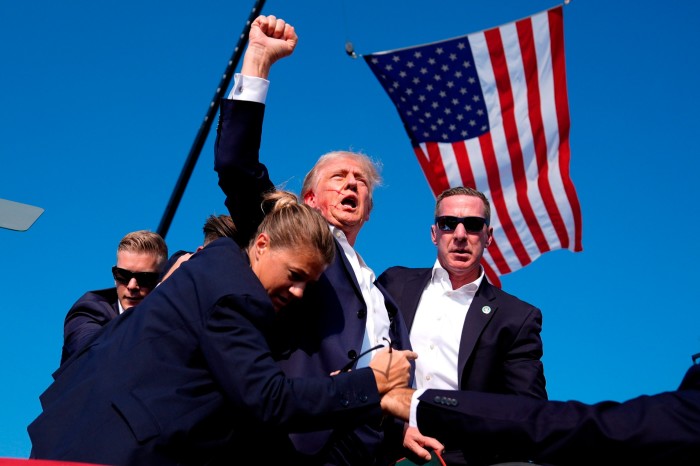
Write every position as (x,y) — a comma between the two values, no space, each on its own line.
(203,132)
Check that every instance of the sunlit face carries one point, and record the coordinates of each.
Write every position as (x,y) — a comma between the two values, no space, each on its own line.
(132,293)
(342,195)
(284,272)
(460,251)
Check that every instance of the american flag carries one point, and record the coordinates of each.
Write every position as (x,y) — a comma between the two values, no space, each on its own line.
(490,110)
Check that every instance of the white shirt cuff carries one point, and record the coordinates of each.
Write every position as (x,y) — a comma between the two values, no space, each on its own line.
(412,421)
(249,88)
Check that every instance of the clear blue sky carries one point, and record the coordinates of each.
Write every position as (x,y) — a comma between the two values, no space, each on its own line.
(100,103)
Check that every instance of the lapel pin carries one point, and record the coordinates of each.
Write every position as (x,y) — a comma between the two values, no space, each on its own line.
(486,310)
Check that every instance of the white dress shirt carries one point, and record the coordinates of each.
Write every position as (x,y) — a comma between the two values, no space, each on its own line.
(377,315)
(437,328)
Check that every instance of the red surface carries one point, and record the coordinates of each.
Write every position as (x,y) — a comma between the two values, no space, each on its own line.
(24,462)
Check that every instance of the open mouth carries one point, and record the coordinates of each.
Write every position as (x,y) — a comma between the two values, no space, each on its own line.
(350,201)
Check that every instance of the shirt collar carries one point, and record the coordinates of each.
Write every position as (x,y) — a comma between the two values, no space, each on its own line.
(441,277)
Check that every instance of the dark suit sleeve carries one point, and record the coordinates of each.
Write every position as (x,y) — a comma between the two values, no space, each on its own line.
(523,368)
(241,363)
(493,428)
(83,321)
(242,177)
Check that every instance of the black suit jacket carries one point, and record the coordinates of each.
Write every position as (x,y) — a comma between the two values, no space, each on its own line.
(662,429)
(323,331)
(86,317)
(188,378)
(500,350)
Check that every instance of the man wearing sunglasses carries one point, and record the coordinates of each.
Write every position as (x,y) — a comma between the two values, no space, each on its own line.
(140,259)
(469,334)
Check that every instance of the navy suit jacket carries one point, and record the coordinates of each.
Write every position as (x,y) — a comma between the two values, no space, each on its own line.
(662,429)
(500,351)
(323,331)
(86,317)
(188,378)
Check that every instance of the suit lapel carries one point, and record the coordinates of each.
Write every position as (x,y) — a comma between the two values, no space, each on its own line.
(412,292)
(480,312)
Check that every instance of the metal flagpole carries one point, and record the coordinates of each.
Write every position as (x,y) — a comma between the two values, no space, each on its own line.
(203,132)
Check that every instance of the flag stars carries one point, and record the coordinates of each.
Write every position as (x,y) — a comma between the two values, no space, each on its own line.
(436,90)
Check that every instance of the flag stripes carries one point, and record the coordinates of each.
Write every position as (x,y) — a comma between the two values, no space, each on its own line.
(490,110)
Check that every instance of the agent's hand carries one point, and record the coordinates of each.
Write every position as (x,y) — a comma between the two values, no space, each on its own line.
(417,443)
(183,258)
(270,39)
(392,368)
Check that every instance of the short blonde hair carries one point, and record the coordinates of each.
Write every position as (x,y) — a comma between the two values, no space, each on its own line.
(145,242)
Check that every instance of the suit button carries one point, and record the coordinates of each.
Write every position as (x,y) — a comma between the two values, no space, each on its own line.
(344,402)
(437,399)
(453,402)
(352,354)
(363,398)
(361,314)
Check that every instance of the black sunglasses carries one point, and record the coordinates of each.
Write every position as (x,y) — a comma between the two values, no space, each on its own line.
(471,224)
(144,279)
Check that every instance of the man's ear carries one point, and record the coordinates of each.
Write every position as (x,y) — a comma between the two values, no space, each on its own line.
(489,237)
(433,234)
(310,198)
